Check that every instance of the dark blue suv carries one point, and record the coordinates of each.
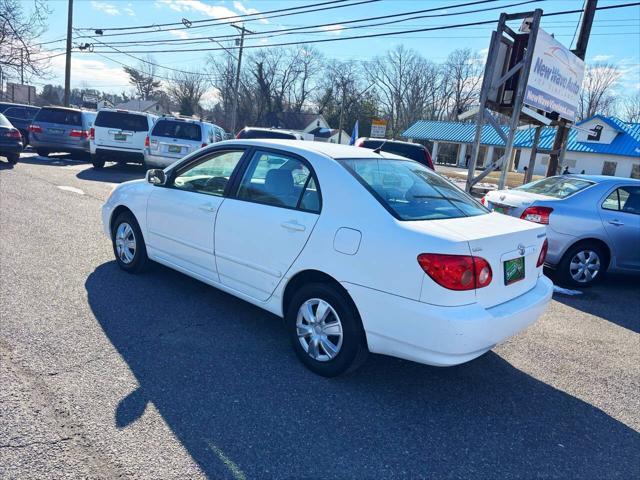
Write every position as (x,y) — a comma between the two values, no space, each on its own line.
(20,117)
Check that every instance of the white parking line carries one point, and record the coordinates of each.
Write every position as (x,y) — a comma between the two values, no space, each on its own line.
(71,189)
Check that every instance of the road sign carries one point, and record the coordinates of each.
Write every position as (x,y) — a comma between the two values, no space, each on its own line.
(555,78)
(378,128)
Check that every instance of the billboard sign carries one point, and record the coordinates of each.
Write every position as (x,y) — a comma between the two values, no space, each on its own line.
(18,93)
(555,78)
(378,128)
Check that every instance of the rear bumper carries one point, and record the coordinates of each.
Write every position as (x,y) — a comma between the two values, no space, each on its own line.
(82,147)
(443,336)
(159,161)
(116,155)
(10,149)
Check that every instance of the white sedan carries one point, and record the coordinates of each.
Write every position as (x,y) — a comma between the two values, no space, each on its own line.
(358,251)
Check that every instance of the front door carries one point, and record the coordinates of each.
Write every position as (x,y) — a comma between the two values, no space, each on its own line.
(181,216)
(263,228)
(620,213)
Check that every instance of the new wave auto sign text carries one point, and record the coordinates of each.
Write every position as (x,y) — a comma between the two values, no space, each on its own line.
(555,78)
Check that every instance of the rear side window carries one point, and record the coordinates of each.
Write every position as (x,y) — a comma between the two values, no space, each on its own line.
(411,191)
(624,199)
(175,129)
(123,121)
(556,187)
(60,116)
(266,134)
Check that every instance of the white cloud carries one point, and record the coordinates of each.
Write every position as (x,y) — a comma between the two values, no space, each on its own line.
(601,58)
(182,34)
(107,8)
(335,29)
(93,73)
(213,11)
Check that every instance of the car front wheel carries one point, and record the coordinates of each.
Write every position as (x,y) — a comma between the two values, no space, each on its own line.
(128,244)
(325,330)
(583,265)
(97,161)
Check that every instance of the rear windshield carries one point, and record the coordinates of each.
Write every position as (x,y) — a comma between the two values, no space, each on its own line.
(556,187)
(412,152)
(60,116)
(175,129)
(265,134)
(411,191)
(122,120)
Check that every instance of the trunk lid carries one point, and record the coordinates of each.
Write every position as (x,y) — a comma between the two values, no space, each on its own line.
(498,238)
(512,202)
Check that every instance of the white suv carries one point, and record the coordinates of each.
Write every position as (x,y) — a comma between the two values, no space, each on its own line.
(119,136)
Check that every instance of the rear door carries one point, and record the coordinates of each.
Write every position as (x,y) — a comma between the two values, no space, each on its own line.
(121,130)
(261,231)
(620,213)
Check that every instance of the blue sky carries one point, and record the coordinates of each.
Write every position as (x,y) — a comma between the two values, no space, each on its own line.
(615,37)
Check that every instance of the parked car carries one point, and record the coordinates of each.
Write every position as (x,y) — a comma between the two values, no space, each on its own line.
(359,252)
(412,151)
(119,136)
(172,138)
(10,141)
(279,133)
(20,117)
(60,129)
(593,222)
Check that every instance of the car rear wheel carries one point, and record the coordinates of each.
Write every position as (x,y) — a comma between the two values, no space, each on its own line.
(97,161)
(128,244)
(13,158)
(325,330)
(583,265)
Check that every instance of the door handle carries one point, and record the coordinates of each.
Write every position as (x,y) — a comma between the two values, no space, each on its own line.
(294,226)
(207,208)
(617,223)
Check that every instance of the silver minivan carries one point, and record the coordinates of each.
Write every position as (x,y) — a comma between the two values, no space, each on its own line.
(59,129)
(172,138)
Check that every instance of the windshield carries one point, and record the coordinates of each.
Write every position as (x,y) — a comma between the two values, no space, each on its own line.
(177,129)
(410,191)
(556,187)
(122,120)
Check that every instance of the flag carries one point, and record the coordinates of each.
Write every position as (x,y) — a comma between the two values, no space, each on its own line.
(354,134)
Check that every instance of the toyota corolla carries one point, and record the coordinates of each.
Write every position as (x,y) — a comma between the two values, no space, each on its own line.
(358,251)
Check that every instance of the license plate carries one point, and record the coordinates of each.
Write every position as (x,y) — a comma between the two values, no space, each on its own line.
(513,270)
(501,209)
(55,131)
(120,136)
(175,149)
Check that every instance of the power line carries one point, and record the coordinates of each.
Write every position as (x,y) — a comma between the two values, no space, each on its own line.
(372,35)
(262,17)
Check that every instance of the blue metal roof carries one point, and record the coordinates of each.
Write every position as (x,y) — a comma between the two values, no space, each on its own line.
(626,143)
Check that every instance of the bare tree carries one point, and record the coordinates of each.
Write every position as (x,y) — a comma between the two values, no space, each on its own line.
(19,32)
(463,73)
(306,65)
(597,94)
(187,89)
(143,78)
(631,108)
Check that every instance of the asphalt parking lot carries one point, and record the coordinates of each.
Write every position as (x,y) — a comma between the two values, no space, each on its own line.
(109,375)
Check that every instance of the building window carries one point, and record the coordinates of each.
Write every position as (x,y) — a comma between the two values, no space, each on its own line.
(635,170)
(609,168)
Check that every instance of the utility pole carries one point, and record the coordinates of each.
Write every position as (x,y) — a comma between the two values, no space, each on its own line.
(67,67)
(344,99)
(236,88)
(562,133)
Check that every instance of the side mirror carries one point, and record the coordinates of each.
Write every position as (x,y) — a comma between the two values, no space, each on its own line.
(156,176)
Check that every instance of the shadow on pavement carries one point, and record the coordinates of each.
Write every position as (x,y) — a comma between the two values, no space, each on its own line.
(113,173)
(4,165)
(53,160)
(225,380)
(616,299)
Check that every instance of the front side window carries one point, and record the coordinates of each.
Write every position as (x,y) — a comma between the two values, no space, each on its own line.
(279,180)
(410,191)
(556,187)
(211,175)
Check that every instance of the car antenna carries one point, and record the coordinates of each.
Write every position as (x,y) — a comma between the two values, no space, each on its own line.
(379,148)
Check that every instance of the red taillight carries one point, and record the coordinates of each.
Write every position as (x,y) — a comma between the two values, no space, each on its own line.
(79,134)
(537,214)
(13,134)
(239,133)
(456,272)
(147,142)
(543,253)
(35,128)
(483,201)
(92,133)
(427,159)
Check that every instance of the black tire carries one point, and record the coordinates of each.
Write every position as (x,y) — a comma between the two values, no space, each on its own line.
(42,153)
(13,158)
(565,271)
(97,161)
(139,260)
(353,349)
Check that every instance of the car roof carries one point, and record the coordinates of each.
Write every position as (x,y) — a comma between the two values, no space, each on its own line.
(388,141)
(119,110)
(333,150)
(272,129)
(602,178)
(56,107)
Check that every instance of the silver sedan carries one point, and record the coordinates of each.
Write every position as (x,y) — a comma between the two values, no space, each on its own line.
(593,222)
